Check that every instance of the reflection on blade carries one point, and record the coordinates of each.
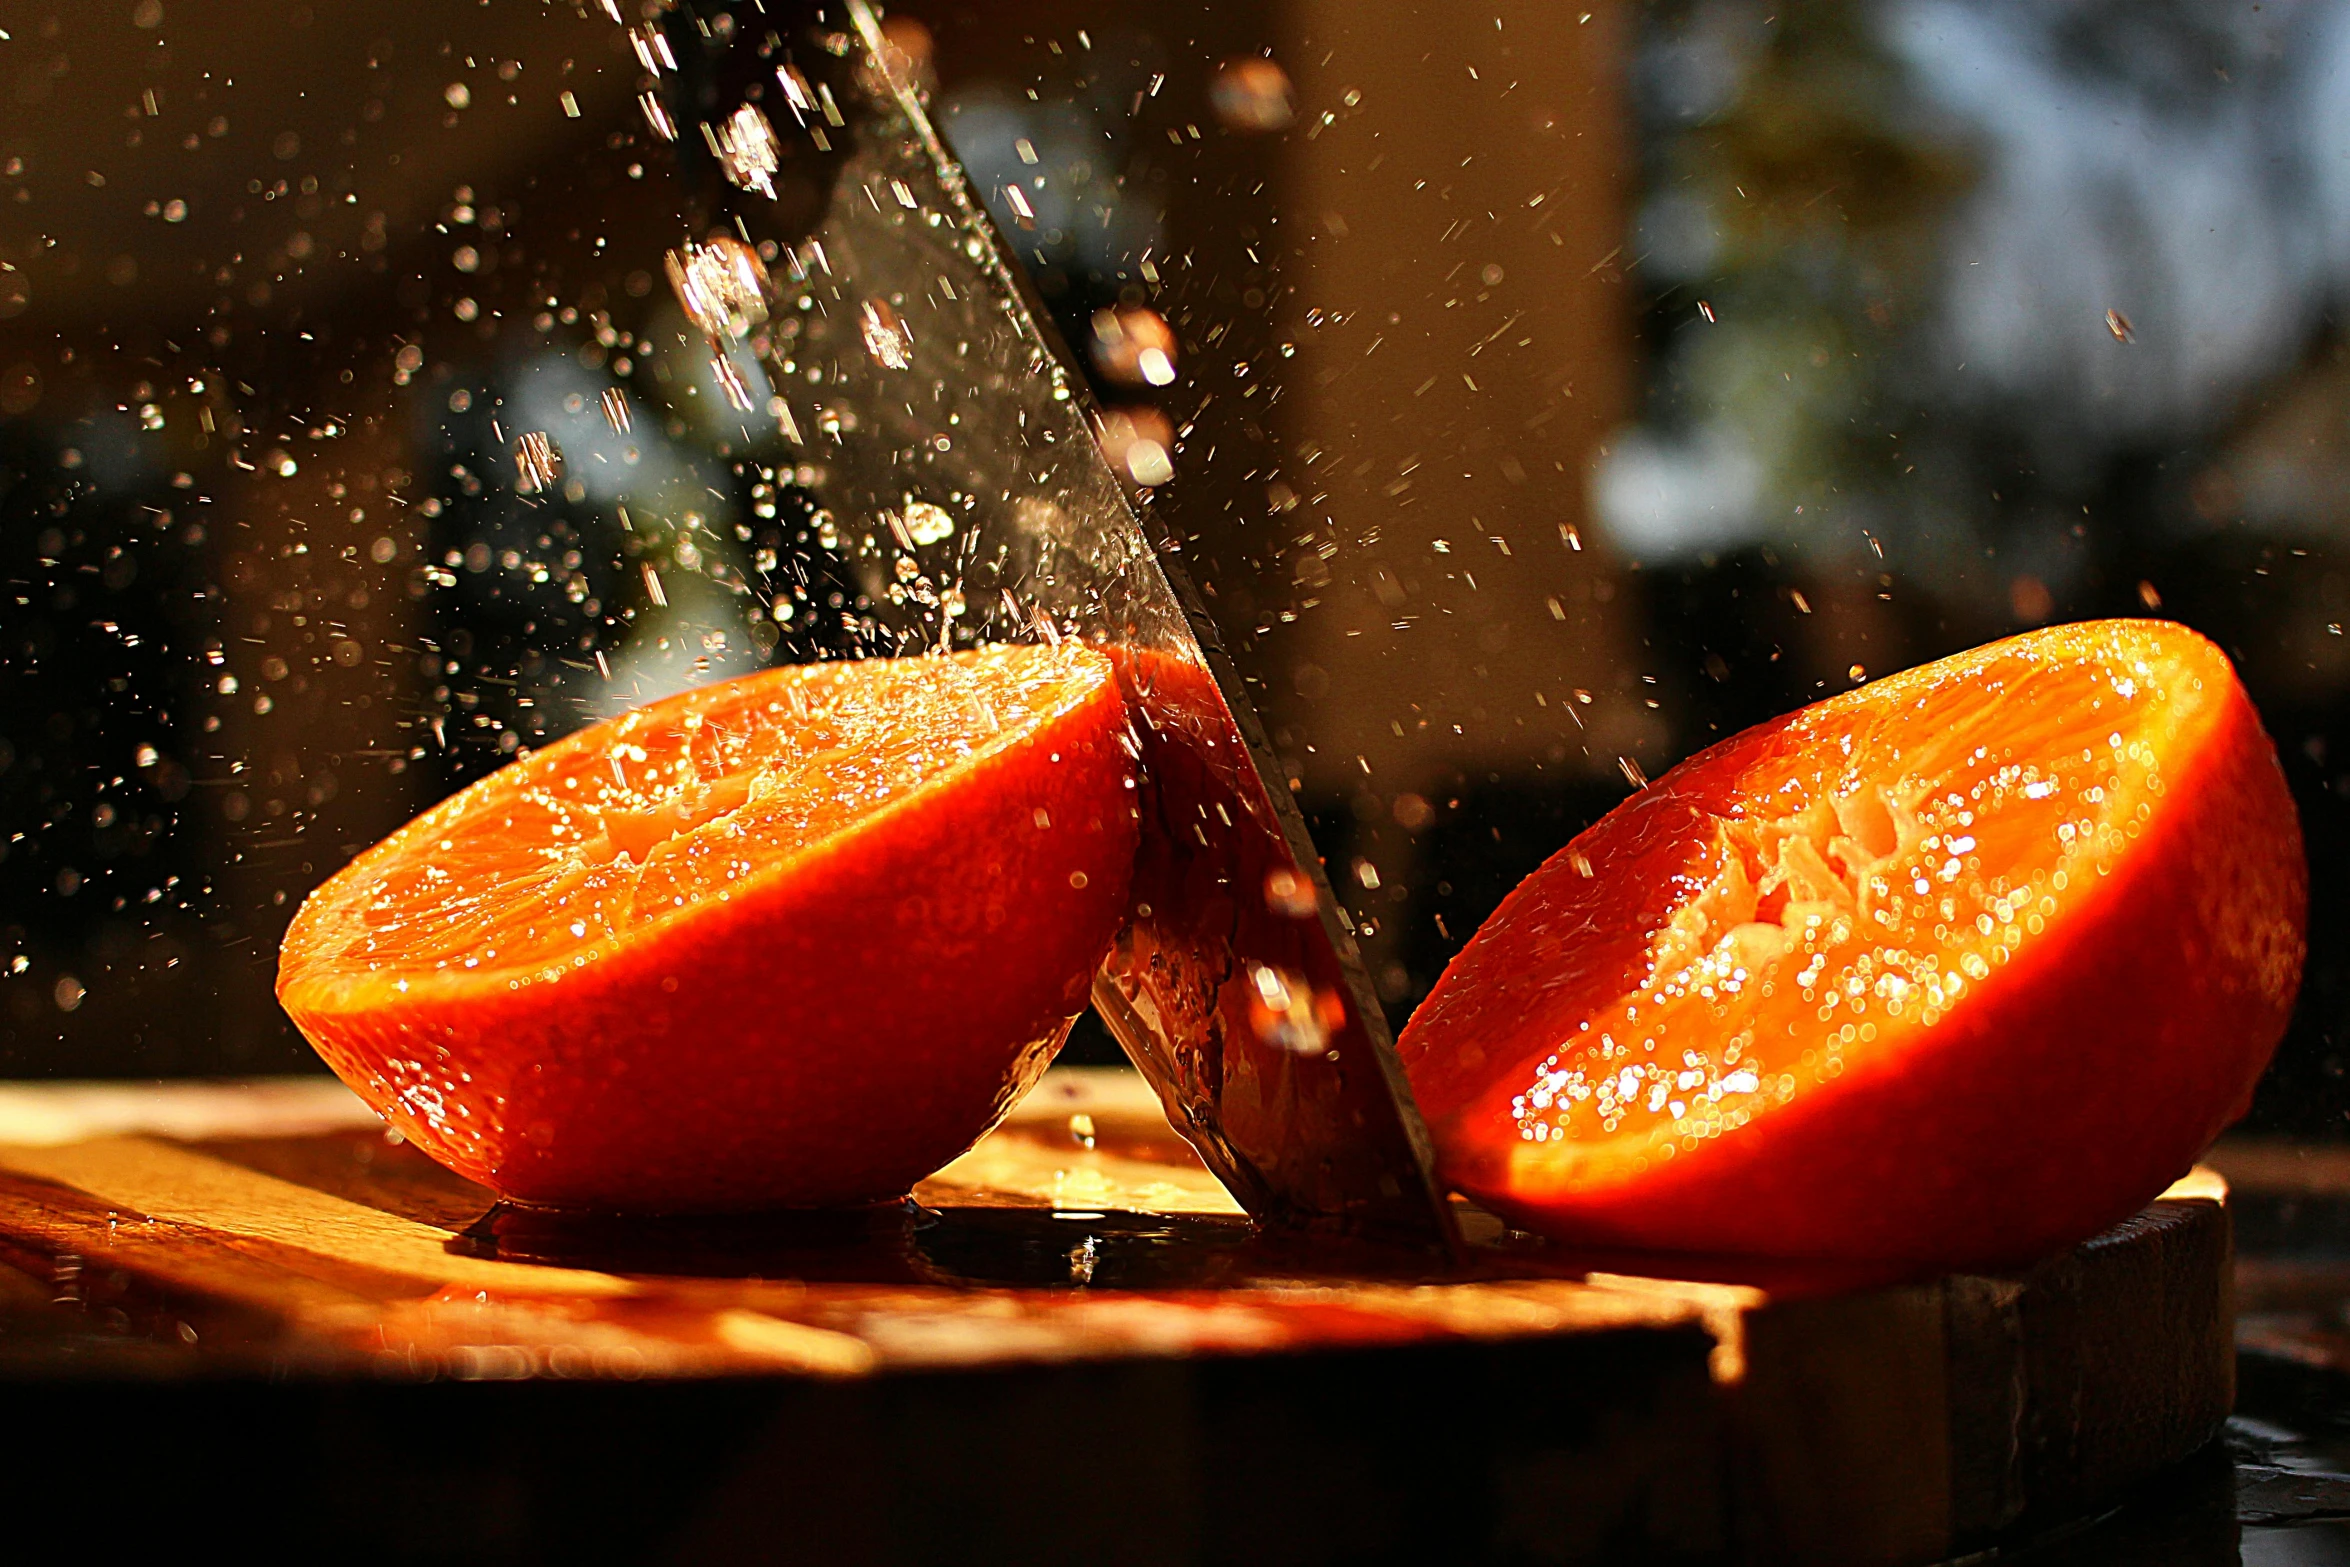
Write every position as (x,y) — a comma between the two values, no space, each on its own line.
(936,426)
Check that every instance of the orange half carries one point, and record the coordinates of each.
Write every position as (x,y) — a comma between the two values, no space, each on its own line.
(1957,967)
(795,939)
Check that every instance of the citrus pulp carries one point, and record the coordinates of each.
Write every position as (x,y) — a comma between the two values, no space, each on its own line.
(797,939)
(1955,968)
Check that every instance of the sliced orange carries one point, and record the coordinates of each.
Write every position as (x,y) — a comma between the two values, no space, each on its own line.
(1956,968)
(796,939)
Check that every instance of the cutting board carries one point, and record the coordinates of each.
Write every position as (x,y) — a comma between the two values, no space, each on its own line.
(1072,1347)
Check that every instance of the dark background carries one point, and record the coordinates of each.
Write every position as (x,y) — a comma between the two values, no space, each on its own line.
(1556,391)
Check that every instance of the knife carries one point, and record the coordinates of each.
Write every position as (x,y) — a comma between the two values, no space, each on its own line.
(931,412)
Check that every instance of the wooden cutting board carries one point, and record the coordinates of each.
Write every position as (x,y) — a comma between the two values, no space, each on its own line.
(1076,1348)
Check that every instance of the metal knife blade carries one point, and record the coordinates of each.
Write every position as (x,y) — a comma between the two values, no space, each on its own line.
(939,423)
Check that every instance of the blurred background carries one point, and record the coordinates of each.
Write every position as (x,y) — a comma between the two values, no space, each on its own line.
(1537,393)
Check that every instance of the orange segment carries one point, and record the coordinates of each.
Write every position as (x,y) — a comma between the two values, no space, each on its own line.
(1790,949)
(763,904)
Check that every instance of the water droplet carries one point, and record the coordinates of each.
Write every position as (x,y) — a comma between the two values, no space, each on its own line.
(652,49)
(1149,463)
(1288,893)
(1139,442)
(780,412)
(889,340)
(747,150)
(722,285)
(656,116)
(1285,1011)
(730,381)
(537,463)
(1134,345)
(1252,94)
(928,524)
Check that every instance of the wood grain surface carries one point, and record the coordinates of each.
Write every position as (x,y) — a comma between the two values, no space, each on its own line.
(208,1235)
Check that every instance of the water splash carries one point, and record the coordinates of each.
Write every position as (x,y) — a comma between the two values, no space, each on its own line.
(1285,1011)
(537,463)
(723,286)
(887,338)
(927,523)
(747,150)
(1289,894)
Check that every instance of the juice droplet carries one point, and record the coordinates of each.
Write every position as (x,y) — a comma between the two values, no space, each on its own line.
(722,285)
(1287,1012)
(537,464)
(1289,894)
(889,340)
(747,150)
(927,523)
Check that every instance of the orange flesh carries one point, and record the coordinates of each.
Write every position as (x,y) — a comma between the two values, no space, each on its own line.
(1866,867)
(622,828)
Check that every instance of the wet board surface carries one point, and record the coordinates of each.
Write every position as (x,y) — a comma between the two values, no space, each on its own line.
(1076,1329)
